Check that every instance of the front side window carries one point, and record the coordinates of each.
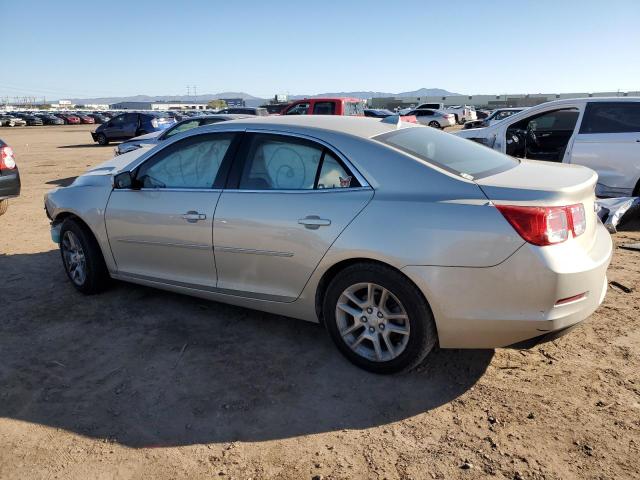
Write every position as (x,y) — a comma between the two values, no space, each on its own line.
(182,127)
(117,121)
(192,162)
(299,109)
(618,117)
(278,162)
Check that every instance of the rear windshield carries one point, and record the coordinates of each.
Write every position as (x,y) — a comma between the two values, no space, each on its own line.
(454,154)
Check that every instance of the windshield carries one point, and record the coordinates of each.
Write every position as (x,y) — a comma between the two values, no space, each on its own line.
(454,154)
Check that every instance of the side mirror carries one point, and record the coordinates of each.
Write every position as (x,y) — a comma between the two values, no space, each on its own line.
(125,180)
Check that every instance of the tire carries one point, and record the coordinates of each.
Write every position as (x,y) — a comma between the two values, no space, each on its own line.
(102,139)
(4,205)
(434,124)
(79,248)
(412,337)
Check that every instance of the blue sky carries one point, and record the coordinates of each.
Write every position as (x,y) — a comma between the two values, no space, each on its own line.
(76,48)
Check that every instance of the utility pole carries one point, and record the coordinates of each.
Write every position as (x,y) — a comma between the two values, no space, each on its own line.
(195,91)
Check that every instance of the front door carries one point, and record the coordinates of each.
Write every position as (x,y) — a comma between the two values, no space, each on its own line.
(609,143)
(163,230)
(290,201)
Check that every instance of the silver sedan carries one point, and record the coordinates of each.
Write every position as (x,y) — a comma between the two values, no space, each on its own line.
(394,236)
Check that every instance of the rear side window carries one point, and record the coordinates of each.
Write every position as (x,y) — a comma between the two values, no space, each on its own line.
(324,108)
(615,117)
(454,154)
(333,174)
(279,162)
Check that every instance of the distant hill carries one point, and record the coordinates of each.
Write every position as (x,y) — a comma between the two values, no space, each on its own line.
(167,98)
(422,92)
(253,101)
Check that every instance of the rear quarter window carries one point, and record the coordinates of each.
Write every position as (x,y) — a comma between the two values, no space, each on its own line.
(454,154)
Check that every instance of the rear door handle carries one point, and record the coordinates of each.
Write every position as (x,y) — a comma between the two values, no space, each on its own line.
(313,222)
(192,216)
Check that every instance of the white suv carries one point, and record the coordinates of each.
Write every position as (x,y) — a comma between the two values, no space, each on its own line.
(600,133)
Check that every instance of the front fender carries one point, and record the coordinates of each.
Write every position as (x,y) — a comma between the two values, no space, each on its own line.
(88,203)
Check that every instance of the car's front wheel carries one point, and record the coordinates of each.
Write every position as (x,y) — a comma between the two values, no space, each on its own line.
(102,139)
(82,258)
(378,319)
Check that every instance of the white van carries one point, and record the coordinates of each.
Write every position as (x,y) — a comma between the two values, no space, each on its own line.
(600,133)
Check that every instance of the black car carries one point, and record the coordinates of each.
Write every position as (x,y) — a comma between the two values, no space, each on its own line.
(98,117)
(49,119)
(183,126)
(129,125)
(377,113)
(31,120)
(259,111)
(9,176)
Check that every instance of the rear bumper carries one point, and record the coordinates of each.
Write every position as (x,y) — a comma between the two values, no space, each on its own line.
(516,300)
(9,184)
(94,135)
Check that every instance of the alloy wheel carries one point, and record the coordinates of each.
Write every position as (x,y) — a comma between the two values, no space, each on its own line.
(74,258)
(372,322)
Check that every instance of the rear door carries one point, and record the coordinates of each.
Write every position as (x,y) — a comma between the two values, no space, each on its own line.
(163,230)
(287,200)
(609,142)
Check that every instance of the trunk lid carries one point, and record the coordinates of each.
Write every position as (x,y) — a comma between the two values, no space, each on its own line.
(544,184)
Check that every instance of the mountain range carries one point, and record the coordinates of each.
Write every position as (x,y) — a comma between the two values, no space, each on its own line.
(253,101)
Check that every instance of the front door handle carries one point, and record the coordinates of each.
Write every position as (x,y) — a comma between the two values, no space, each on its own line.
(313,222)
(192,216)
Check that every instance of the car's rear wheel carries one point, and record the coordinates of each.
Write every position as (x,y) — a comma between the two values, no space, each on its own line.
(378,319)
(102,139)
(4,205)
(434,124)
(82,258)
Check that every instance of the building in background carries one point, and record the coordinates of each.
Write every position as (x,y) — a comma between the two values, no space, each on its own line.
(234,102)
(489,101)
(158,106)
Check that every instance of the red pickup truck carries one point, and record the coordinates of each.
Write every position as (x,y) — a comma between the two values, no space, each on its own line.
(326,106)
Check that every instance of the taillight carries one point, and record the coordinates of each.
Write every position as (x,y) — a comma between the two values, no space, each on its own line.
(7,161)
(578,219)
(545,225)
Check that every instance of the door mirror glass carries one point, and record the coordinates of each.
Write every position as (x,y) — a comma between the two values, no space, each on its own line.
(123,180)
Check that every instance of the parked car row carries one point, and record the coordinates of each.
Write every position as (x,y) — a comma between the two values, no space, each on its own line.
(19,119)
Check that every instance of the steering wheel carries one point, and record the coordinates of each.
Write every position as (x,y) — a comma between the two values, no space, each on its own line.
(531,135)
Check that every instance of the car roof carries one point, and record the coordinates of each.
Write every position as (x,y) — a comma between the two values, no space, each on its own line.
(591,99)
(364,127)
(327,99)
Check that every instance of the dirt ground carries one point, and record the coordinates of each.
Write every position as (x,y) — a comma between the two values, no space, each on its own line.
(137,383)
